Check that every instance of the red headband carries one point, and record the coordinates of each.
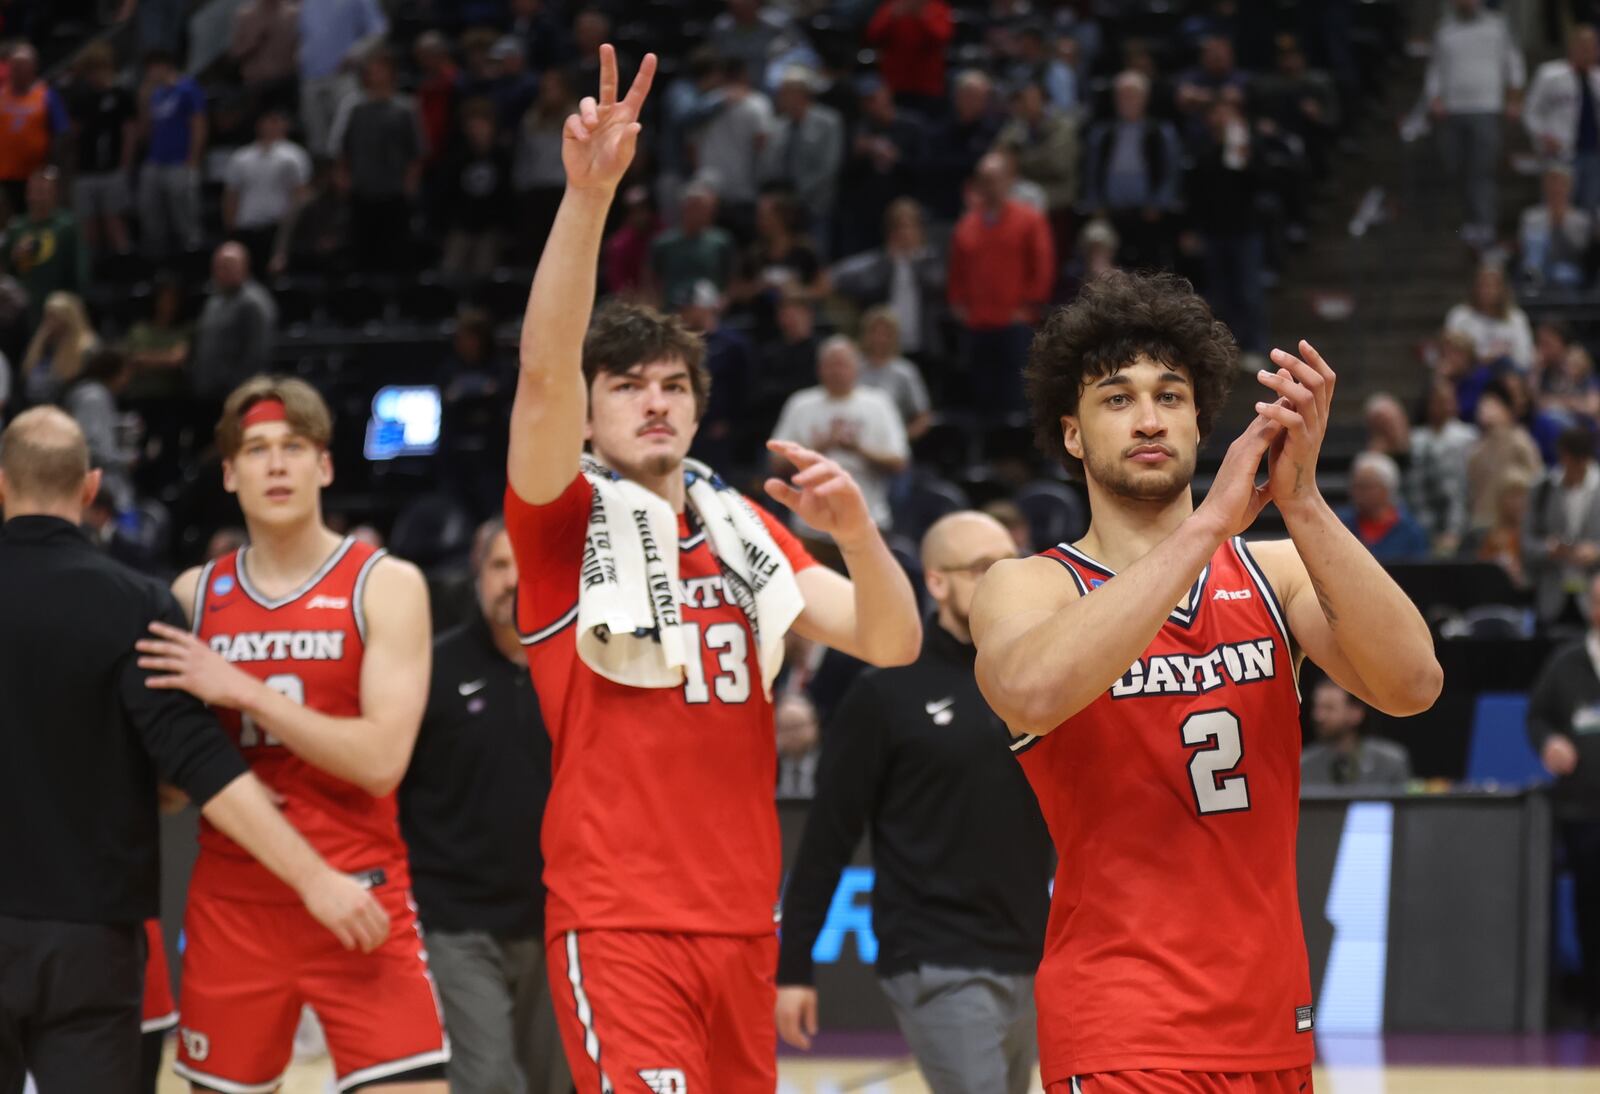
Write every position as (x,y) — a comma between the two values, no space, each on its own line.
(266,410)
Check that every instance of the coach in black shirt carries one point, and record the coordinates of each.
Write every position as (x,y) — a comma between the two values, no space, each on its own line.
(960,850)
(470,810)
(83,741)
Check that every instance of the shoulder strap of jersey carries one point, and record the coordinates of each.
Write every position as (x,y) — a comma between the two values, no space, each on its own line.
(358,594)
(197,615)
(1081,577)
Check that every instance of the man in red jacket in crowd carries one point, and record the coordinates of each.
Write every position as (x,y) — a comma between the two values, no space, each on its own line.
(911,37)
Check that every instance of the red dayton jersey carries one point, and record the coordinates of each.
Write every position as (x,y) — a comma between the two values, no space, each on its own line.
(1174,939)
(308,646)
(661,813)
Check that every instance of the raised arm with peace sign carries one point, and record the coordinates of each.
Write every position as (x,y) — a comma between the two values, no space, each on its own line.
(597,142)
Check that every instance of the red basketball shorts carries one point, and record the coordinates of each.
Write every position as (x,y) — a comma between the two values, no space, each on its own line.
(647,1013)
(248,969)
(159,1011)
(1296,1080)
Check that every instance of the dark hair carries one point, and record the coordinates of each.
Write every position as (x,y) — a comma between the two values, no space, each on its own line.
(624,336)
(1575,441)
(304,409)
(154,57)
(103,364)
(1118,317)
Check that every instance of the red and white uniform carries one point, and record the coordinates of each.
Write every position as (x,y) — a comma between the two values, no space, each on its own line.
(159,1012)
(661,842)
(254,954)
(1174,942)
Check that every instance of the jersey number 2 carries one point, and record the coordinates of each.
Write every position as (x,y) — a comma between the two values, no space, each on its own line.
(1216,791)
(284,683)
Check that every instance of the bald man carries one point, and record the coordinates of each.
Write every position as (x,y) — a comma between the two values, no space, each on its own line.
(83,742)
(234,335)
(963,861)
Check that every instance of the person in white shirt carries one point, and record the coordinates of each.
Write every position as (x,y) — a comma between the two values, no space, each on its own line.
(1491,318)
(1474,77)
(855,426)
(1562,112)
(266,183)
(884,369)
(1553,238)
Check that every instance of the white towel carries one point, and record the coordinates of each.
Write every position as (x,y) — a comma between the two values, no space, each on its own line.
(630,608)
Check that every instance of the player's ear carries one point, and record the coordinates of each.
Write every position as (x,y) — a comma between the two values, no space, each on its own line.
(91,488)
(1071,436)
(325,468)
(938,584)
(229,483)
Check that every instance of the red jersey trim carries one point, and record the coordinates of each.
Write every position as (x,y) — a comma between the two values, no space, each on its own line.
(1183,617)
(568,618)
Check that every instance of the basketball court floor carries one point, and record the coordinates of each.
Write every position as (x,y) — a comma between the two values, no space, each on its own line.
(1407,1064)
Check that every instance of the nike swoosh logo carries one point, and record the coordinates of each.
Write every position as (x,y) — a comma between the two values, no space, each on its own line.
(473,687)
(935,708)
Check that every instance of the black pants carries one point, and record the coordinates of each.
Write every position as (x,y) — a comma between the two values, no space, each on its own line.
(380,230)
(1582,840)
(69,1006)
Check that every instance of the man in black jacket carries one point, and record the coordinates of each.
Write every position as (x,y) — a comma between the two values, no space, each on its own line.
(82,744)
(470,811)
(1564,727)
(962,856)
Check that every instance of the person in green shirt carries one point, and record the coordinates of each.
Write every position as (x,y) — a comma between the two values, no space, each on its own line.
(43,248)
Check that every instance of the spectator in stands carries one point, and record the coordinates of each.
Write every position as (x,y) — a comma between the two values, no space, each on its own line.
(36,120)
(748,32)
(514,88)
(536,171)
(1044,140)
(335,35)
(1213,80)
(1016,187)
(956,146)
(779,256)
(438,82)
(1504,542)
(1436,479)
(265,186)
(60,346)
(379,138)
(788,362)
(537,23)
(1133,174)
(1015,521)
(41,248)
(1225,184)
(173,122)
(477,195)
(1474,80)
(912,38)
(1299,100)
(1568,389)
(720,439)
(320,239)
(105,133)
(1094,253)
(1376,515)
(1563,529)
(1560,113)
(233,339)
(265,44)
(855,426)
(1502,446)
(1001,273)
(728,143)
(883,368)
(1562,725)
(806,149)
(887,149)
(1038,61)
(1543,427)
(92,402)
(625,255)
(1553,239)
(1497,326)
(906,273)
(157,24)
(1342,755)
(590,28)
(1388,431)
(157,348)
(696,250)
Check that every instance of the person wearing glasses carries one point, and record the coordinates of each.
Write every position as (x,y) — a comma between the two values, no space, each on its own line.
(915,756)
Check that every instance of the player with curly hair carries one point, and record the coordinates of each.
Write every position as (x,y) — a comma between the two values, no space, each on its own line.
(1148,674)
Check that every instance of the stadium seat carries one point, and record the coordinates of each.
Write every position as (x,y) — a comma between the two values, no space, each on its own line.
(1498,751)
(1055,512)
(432,531)
(925,499)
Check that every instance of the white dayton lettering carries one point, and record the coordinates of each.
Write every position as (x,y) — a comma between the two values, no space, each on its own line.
(1185,674)
(280,645)
(702,592)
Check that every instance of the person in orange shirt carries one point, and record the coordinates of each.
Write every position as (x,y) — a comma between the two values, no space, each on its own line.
(31,117)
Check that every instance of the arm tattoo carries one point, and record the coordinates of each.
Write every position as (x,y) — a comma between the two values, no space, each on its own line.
(1324,602)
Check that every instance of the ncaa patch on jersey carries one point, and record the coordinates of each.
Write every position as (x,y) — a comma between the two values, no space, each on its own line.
(222,586)
(1304,1019)
(665,1080)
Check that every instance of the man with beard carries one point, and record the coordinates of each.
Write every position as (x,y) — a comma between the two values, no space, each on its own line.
(470,809)
(1147,673)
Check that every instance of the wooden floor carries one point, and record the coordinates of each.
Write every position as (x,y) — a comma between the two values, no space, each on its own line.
(899,1076)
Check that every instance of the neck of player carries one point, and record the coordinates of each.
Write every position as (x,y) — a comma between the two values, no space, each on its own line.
(1123,530)
(282,557)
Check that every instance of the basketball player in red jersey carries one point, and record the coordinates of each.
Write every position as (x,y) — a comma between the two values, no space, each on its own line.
(314,650)
(1148,671)
(660,837)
